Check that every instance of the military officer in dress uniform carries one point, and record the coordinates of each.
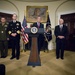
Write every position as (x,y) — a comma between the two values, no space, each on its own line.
(14,29)
(3,38)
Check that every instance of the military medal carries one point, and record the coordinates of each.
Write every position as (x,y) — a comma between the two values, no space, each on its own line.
(1,31)
(5,26)
(17,24)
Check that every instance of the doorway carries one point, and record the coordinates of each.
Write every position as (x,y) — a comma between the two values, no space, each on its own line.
(69,21)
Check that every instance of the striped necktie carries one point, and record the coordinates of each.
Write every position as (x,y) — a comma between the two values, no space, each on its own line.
(38,25)
(61,28)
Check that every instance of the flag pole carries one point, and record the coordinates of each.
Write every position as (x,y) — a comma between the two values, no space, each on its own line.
(24,35)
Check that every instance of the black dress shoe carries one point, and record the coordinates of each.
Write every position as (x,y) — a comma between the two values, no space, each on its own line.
(5,56)
(17,58)
(33,66)
(62,58)
(2,56)
(44,50)
(12,58)
(57,57)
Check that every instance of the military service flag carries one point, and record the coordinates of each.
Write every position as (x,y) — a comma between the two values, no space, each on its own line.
(48,21)
(48,25)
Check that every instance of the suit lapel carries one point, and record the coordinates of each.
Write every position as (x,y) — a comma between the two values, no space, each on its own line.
(58,28)
(63,28)
(36,25)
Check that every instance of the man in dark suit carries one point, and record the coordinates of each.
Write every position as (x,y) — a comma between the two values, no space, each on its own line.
(38,24)
(14,29)
(61,32)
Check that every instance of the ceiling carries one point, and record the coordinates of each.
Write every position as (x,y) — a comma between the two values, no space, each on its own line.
(38,0)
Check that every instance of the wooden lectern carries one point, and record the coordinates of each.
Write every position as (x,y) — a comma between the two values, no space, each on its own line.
(34,58)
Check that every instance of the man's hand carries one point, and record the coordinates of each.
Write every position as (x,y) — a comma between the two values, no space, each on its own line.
(22,29)
(13,34)
(61,37)
(7,38)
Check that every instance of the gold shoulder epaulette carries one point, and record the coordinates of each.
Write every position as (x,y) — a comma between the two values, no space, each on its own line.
(18,32)
(9,32)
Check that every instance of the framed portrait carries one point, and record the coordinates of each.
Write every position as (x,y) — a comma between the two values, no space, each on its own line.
(33,11)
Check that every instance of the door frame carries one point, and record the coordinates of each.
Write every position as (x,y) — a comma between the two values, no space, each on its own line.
(63,13)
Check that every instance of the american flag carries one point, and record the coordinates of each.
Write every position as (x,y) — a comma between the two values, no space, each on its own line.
(24,35)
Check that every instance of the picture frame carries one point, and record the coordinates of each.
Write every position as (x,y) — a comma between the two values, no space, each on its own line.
(33,11)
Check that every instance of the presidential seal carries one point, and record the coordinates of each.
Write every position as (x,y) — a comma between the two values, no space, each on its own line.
(34,30)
